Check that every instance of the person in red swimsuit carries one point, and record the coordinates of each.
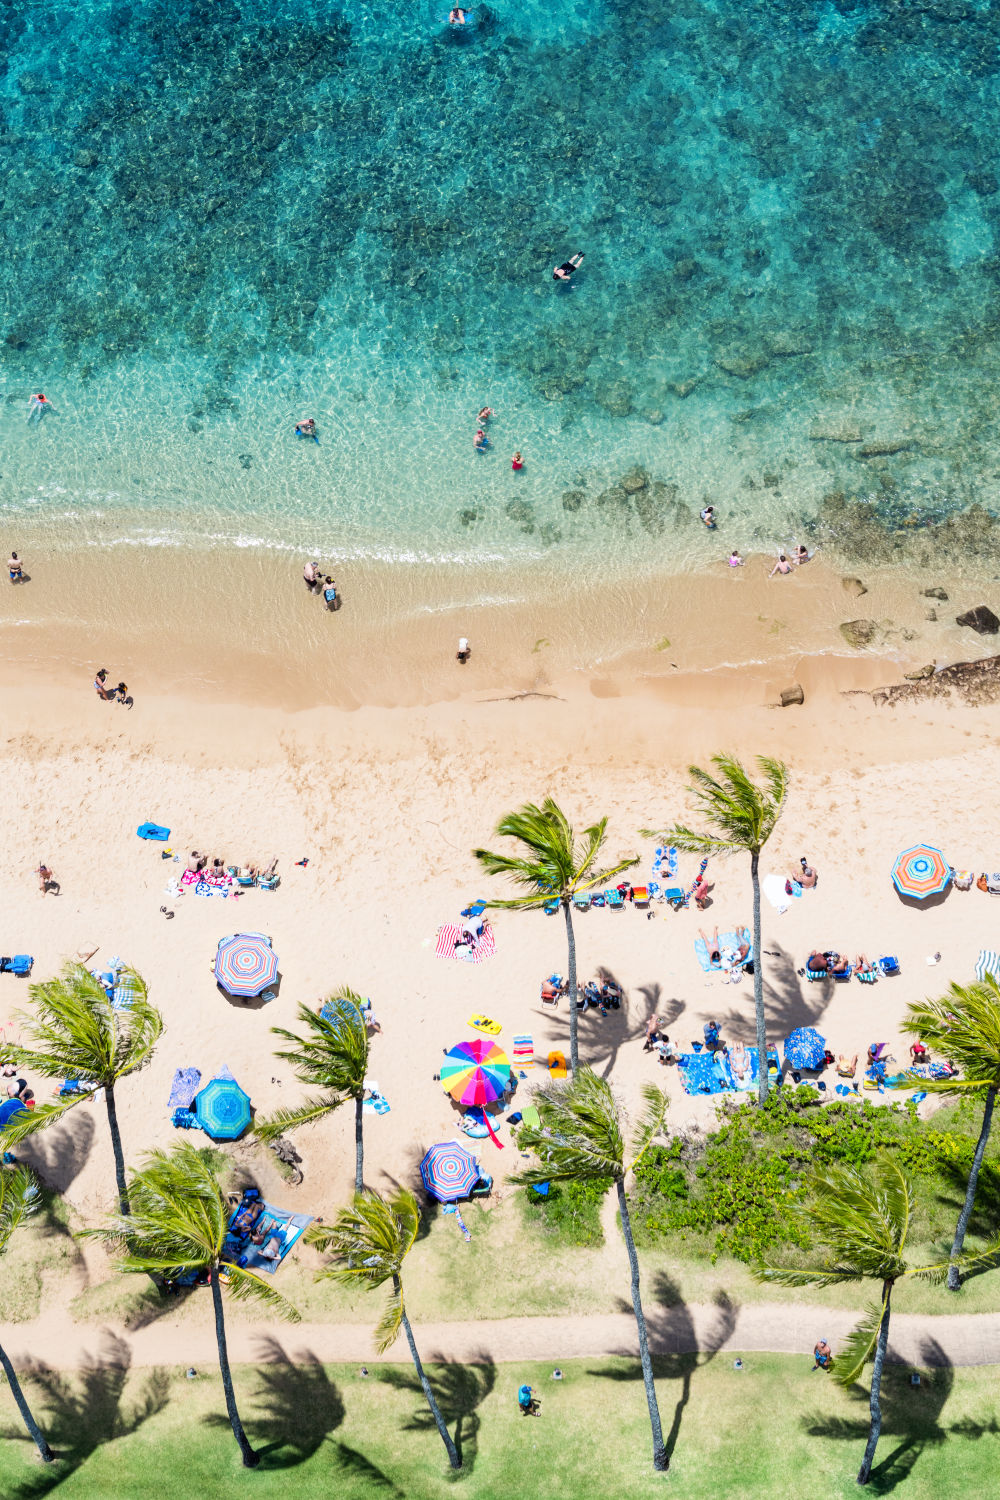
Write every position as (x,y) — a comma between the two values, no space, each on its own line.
(517,462)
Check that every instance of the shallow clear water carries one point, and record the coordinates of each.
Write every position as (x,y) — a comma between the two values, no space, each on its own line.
(221,217)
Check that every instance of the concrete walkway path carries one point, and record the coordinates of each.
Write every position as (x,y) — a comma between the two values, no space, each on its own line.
(52,1340)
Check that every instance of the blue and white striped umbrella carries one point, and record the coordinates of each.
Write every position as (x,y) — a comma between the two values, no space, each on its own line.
(449,1172)
(245,964)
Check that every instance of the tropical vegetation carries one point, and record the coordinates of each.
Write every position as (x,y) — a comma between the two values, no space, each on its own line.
(554,866)
(18,1201)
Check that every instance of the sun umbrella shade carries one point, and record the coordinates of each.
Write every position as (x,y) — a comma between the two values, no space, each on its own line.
(475,1072)
(805,1048)
(222,1109)
(245,964)
(449,1172)
(921,872)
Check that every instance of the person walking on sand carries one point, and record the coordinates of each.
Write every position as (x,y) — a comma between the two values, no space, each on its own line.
(101,686)
(312,576)
(566,270)
(45,878)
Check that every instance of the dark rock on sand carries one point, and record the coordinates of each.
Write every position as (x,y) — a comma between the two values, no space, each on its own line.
(981,619)
(920,673)
(935,593)
(791,695)
(974,682)
(861,633)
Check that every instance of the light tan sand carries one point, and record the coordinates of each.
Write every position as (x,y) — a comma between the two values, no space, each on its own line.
(387,805)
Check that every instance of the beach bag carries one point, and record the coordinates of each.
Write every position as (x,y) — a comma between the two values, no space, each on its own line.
(962,879)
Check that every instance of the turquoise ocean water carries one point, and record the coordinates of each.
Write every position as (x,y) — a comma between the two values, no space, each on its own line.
(219,217)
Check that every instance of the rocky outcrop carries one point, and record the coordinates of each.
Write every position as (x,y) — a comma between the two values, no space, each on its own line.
(981,619)
(973,682)
(834,432)
(885,447)
(934,593)
(743,363)
(861,633)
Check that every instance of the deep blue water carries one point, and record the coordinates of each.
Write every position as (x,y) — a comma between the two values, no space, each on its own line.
(219,217)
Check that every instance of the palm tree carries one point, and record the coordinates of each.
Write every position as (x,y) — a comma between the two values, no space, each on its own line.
(369,1242)
(332,1056)
(580,1139)
(18,1200)
(76,1033)
(863,1219)
(553,867)
(965,1026)
(741,815)
(178,1224)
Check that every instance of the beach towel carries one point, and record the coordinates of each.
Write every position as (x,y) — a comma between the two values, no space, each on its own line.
(190,877)
(186,1084)
(727,941)
(557,1065)
(531,1117)
(773,887)
(524,1049)
(703,1072)
(123,996)
(988,962)
(665,862)
(153,831)
(470,953)
(751,1080)
(483,1023)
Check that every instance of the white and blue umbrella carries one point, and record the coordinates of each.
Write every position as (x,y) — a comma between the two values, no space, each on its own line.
(805,1048)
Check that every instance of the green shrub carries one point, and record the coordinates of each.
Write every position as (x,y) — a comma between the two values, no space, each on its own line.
(570,1212)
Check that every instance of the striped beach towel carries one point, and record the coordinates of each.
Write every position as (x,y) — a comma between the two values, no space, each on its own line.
(988,962)
(524,1049)
(449,936)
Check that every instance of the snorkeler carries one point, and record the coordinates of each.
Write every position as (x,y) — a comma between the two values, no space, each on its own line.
(38,406)
(565,271)
(481,442)
(708,516)
(457,17)
(307,429)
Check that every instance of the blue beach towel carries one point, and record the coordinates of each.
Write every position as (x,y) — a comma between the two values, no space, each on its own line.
(153,831)
(699,1073)
(186,1084)
(726,940)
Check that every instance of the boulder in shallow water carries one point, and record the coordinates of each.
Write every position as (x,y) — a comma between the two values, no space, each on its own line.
(743,363)
(831,431)
(861,633)
(934,593)
(885,447)
(635,480)
(981,619)
(573,499)
(787,343)
(853,586)
(683,388)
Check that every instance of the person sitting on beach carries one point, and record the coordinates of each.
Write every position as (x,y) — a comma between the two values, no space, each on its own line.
(841,964)
(312,576)
(875,1052)
(863,966)
(267,1249)
(712,948)
(611,992)
(801,554)
(517,462)
(743,945)
(480,442)
(485,414)
(713,1042)
(247,1217)
(196,861)
(14,568)
(919,1053)
(121,695)
(100,685)
(817,962)
(807,879)
(11,1106)
(781,566)
(708,516)
(735,560)
(551,992)
(846,1065)
(652,1034)
(565,271)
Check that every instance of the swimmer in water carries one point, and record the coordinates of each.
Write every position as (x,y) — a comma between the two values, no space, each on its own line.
(457,17)
(708,516)
(802,553)
(485,414)
(517,462)
(565,271)
(38,406)
(307,429)
(481,442)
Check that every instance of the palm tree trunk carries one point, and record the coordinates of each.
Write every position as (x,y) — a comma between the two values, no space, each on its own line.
(359,1144)
(874,1402)
(574,1048)
(116,1147)
(660,1460)
(37,1436)
(954,1278)
(758,982)
(453,1457)
(250,1458)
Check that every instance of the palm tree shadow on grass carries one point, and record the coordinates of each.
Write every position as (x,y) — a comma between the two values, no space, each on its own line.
(684,1350)
(84,1410)
(459,1389)
(983,1223)
(911,1414)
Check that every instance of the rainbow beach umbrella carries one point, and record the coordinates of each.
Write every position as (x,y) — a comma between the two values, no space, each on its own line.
(921,872)
(475,1072)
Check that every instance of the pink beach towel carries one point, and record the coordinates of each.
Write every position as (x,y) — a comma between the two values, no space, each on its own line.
(448,936)
(190,877)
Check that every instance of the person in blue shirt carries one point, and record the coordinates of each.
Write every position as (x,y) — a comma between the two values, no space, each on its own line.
(711,1030)
(330,593)
(526,1401)
(8,1109)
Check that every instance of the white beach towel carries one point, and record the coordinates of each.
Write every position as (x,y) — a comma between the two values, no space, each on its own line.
(773,887)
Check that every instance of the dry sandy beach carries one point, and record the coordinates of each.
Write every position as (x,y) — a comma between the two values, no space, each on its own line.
(387,804)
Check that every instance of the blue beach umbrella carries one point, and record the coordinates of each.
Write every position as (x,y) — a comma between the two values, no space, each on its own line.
(222,1109)
(805,1048)
(245,963)
(449,1172)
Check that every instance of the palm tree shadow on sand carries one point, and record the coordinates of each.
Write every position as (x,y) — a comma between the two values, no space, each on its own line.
(459,1389)
(684,1349)
(910,1414)
(82,1411)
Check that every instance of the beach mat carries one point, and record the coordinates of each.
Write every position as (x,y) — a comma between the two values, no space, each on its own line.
(449,935)
(484,1023)
(186,1084)
(704,1073)
(557,1065)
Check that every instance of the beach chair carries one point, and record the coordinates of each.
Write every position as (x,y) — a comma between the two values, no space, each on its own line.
(474,909)
(246,880)
(597,899)
(654,889)
(868,976)
(551,907)
(581,900)
(674,897)
(20,964)
(640,896)
(815,975)
(844,978)
(614,899)
(269,883)
(888,965)
(483,1188)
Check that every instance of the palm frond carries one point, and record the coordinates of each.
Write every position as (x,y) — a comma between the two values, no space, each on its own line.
(368,1242)
(555,863)
(389,1324)
(19,1199)
(73,1030)
(650,1123)
(741,814)
(26,1122)
(858,1347)
(963,1025)
(246,1286)
(332,1056)
(290,1119)
(179,1214)
(805,1275)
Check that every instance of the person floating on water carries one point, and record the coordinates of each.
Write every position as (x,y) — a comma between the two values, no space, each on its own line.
(517,462)
(565,271)
(38,406)
(481,441)
(708,516)
(457,17)
(307,429)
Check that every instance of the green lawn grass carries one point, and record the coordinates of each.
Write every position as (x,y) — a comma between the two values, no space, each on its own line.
(772,1429)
